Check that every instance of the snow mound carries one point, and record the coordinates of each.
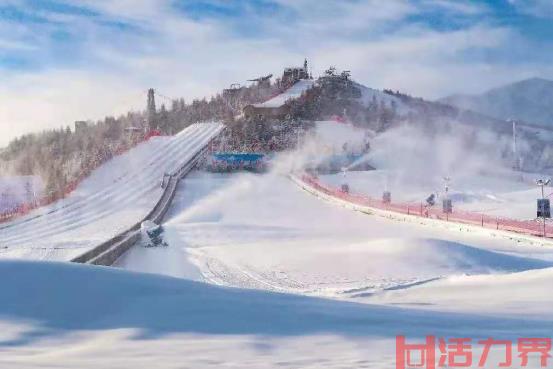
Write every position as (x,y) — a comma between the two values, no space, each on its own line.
(436,257)
(526,293)
(79,316)
(98,298)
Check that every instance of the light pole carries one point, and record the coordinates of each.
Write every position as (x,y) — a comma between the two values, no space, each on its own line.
(543,203)
(446,203)
(542,183)
(345,186)
(387,194)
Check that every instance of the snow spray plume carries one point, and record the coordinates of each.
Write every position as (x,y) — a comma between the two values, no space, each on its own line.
(207,208)
(424,156)
(326,139)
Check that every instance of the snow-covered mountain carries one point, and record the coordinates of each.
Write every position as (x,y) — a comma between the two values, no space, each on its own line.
(369,95)
(530,100)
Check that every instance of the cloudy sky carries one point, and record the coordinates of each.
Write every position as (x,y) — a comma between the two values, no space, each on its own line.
(63,60)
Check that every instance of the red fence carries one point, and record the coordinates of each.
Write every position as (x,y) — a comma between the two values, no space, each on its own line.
(529,227)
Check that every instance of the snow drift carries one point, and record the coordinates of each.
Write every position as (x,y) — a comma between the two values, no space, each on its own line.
(102,317)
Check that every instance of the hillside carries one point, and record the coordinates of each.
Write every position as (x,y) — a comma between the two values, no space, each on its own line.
(529,100)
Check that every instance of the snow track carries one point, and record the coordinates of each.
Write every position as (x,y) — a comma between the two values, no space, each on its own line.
(112,199)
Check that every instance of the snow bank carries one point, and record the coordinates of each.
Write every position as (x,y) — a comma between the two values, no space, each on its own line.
(524,294)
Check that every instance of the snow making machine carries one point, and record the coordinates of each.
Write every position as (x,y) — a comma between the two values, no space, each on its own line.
(152,234)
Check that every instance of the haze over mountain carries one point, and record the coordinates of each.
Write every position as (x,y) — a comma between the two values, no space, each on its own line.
(530,100)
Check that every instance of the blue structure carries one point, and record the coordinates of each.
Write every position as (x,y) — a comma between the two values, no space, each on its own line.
(229,162)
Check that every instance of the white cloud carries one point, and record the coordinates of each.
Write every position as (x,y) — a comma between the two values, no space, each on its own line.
(32,102)
(182,57)
(426,63)
(7,44)
(458,6)
(537,8)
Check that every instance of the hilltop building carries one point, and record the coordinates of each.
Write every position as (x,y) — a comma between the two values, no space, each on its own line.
(293,74)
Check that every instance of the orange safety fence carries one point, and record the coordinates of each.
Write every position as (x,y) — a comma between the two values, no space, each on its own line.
(528,227)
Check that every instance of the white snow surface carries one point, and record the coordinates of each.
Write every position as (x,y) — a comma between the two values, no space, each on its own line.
(113,198)
(504,195)
(129,320)
(259,233)
(291,93)
(270,277)
(262,231)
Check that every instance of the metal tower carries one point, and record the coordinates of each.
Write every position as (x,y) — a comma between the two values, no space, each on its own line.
(151,110)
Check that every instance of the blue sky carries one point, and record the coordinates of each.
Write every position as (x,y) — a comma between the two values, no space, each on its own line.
(64,60)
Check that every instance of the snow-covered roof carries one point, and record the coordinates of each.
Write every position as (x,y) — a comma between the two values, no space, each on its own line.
(293,92)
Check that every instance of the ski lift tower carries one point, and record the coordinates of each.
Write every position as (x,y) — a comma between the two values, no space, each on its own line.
(230,93)
(544,208)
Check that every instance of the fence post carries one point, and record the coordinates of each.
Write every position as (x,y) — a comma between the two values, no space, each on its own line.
(496,223)
(421,209)
(482,220)
(407,209)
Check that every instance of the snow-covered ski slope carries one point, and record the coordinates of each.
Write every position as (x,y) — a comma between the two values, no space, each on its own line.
(292,93)
(113,198)
(281,238)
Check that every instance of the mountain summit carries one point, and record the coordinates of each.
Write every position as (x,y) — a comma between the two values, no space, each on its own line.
(530,100)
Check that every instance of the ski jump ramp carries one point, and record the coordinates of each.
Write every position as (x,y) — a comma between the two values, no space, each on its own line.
(99,219)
